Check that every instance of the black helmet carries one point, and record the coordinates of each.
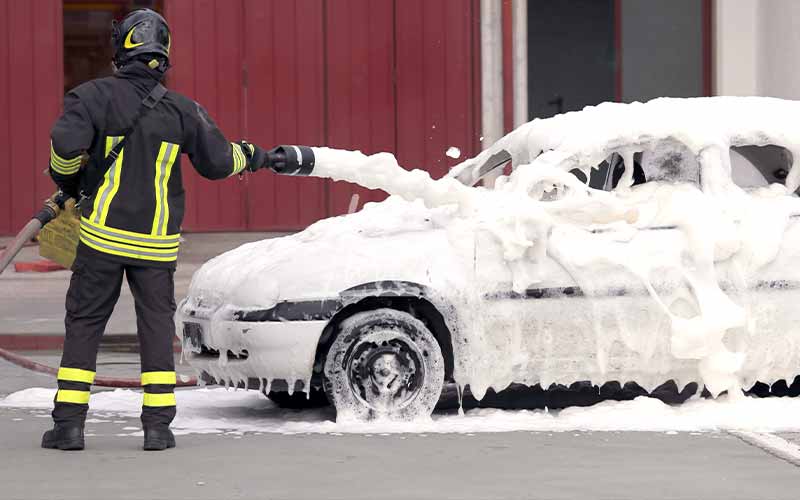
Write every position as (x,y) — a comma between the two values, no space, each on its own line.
(142,31)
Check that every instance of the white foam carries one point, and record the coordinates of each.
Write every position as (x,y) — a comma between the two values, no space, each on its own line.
(453,152)
(720,226)
(541,227)
(207,411)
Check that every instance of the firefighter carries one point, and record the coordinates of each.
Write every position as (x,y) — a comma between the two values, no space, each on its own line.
(132,205)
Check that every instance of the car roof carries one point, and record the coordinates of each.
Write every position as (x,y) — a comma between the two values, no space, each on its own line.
(589,136)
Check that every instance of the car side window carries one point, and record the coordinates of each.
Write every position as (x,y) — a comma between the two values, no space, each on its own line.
(671,161)
(759,166)
(607,175)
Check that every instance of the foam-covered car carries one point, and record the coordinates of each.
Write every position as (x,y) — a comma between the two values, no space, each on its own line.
(625,242)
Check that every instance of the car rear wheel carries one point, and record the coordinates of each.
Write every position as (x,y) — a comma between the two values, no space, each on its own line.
(384,364)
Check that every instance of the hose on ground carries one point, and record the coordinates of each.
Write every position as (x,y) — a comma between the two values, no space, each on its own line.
(30,364)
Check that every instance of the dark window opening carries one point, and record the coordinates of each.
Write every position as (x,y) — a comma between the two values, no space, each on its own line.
(604,178)
(759,166)
(87,36)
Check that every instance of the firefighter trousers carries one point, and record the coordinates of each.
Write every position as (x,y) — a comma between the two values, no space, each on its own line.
(93,292)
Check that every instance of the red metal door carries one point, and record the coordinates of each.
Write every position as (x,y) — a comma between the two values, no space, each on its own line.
(362,112)
(31,85)
(207,54)
(284,104)
(373,75)
(436,46)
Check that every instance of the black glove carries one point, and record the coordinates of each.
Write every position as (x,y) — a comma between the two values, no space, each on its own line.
(256,156)
(291,160)
(71,185)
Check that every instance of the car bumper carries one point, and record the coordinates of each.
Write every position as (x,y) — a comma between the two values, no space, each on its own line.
(237,352)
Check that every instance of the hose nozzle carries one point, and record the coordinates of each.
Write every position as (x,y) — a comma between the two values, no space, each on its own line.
(291,160)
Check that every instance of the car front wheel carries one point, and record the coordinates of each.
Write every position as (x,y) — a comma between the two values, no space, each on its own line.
(384,364)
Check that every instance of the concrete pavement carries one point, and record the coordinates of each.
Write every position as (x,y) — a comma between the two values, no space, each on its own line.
(32,304)
(517,465)
(600,465)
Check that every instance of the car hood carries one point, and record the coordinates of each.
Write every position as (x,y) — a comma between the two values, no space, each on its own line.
(391,240)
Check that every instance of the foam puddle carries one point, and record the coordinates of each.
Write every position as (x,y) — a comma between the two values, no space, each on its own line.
(209,411)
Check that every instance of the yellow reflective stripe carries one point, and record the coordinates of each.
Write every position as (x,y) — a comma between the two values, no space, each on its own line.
(132,237)
(130,255)
(68,396)
(166,157)
(167,378)
(158,399)
(61,161)
(63,166)
(65,171)
(123,246)
(157,182)
(239,158)
(76,375)
(132,252)
(140,242)
(110,186)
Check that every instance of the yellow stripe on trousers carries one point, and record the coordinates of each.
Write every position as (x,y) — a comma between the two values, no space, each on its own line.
(158,399)
(76,397)
(165,378)
(76,375)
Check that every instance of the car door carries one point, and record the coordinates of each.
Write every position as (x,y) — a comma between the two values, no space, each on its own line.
(578,318)
(763,277)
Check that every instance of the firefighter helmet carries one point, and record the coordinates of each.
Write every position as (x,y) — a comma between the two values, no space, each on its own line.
(142,31)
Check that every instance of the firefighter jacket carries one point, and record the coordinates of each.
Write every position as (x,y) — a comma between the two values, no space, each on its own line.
(135,214)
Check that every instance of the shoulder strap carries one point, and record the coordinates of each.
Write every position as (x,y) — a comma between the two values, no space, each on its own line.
(149,102)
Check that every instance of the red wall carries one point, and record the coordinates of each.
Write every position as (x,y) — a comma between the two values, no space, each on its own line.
(373,75)
(31,84)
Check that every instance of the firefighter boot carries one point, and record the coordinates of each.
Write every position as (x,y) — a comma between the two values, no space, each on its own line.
(158,438)
(63,437)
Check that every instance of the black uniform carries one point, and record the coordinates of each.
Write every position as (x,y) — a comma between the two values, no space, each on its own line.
(130,224)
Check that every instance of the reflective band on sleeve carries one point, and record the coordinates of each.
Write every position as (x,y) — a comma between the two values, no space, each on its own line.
(62,165)
(68,396)
(239,159)
(76,375)
(165,378)
(158,399)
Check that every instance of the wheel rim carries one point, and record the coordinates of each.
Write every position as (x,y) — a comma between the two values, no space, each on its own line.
(385,370)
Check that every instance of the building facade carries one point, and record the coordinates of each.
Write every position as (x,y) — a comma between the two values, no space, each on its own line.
(413,77)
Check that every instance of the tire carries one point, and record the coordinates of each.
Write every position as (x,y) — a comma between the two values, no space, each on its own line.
(384,364)
(298,400)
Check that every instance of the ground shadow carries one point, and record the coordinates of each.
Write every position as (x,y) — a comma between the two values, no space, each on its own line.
(557,396)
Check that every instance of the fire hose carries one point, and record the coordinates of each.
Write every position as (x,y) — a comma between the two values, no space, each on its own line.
(35,366)
(50,211)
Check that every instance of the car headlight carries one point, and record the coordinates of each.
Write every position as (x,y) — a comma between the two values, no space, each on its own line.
(202,304)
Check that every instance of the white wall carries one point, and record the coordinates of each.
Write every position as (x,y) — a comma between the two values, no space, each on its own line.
(735,47)
(779,48)
(757,48)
